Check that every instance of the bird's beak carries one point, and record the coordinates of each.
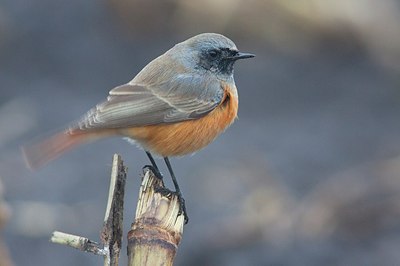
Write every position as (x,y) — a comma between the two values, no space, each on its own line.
(241,55)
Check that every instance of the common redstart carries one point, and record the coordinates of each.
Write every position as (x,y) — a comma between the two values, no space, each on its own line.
(177,104)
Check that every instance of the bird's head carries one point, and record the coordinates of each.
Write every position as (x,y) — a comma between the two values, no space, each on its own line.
(210,52)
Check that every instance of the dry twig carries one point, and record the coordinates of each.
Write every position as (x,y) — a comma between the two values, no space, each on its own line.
(111,234)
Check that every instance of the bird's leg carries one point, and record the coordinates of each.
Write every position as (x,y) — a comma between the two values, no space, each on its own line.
(153,167)
(165,191)
(182,207)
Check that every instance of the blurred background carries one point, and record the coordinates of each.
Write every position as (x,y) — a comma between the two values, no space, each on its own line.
(308,174)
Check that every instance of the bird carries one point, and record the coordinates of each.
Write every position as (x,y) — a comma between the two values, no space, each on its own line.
(176,105)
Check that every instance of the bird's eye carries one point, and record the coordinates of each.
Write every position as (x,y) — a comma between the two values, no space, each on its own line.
(213,53)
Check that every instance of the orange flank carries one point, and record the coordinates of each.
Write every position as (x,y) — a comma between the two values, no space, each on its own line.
(188,136)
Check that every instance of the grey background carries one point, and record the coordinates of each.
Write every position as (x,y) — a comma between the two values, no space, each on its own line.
(308,174)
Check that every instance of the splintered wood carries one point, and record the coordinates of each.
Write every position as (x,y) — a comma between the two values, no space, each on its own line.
(155,235)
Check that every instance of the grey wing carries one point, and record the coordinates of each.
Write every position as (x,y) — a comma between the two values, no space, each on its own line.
(136,105)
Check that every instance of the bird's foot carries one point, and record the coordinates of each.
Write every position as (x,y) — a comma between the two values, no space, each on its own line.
(155,171)
(182,206)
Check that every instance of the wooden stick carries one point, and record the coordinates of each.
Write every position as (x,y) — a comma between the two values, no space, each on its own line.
(111,233)
(155,235)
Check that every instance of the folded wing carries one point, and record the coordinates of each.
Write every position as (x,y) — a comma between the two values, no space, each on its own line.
(129,105)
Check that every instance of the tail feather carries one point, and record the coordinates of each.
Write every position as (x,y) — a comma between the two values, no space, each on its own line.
(39,154)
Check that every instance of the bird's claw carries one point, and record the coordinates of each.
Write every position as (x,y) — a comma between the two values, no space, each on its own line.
(155,171)
(182,206)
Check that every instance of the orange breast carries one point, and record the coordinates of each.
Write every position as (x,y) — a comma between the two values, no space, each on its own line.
(186,137)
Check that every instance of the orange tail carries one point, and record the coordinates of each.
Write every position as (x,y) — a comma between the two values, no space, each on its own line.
(39,154)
